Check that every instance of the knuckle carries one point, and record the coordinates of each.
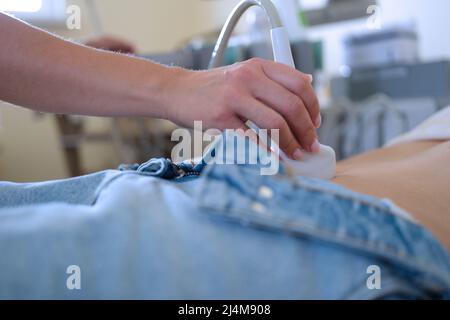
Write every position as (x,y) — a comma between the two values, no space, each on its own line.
(313,106)
(300,83)
(230,94)
(316,106)
(287,142)
(242,75)
(255,61)
(221,114)
(277,122)
(245,75)
(309,133)
(293,104)
(291,145)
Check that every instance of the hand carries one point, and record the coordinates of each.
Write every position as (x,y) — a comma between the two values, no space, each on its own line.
(272,95)
(111,44)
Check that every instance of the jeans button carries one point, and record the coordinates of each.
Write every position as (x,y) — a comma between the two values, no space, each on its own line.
(265,192)
(258,207)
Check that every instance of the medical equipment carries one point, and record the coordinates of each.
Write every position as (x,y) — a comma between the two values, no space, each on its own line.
(316,13)
(393,45)
(353,128)
(399,81)
(321,165)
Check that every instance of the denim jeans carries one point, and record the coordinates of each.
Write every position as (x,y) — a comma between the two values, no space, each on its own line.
(225,233)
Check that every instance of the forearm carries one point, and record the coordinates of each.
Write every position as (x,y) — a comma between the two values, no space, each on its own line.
(45,73)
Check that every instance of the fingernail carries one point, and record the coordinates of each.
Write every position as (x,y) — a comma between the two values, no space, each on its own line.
(318,121)
(297,155)
(315,147)
(311,78)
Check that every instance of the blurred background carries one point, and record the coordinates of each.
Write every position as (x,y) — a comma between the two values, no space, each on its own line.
(380,68)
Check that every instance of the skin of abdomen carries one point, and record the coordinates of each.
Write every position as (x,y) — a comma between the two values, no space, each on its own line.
(415,176)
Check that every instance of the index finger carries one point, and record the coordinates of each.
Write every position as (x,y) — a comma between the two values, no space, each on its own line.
(298,83)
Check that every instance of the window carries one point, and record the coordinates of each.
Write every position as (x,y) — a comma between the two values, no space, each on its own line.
(313,4)
(42,12)
(20,5)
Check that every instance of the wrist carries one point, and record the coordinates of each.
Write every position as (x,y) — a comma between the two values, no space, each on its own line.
(174,83)
(161,88)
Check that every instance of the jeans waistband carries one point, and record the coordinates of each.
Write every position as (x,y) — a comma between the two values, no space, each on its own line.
(326,212)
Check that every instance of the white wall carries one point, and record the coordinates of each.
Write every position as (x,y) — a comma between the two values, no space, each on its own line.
(433,23)
(155,25)
(430,16)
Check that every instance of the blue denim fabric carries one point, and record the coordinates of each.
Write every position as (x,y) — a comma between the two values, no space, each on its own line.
(228,234)
(80,190)
(163,168)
